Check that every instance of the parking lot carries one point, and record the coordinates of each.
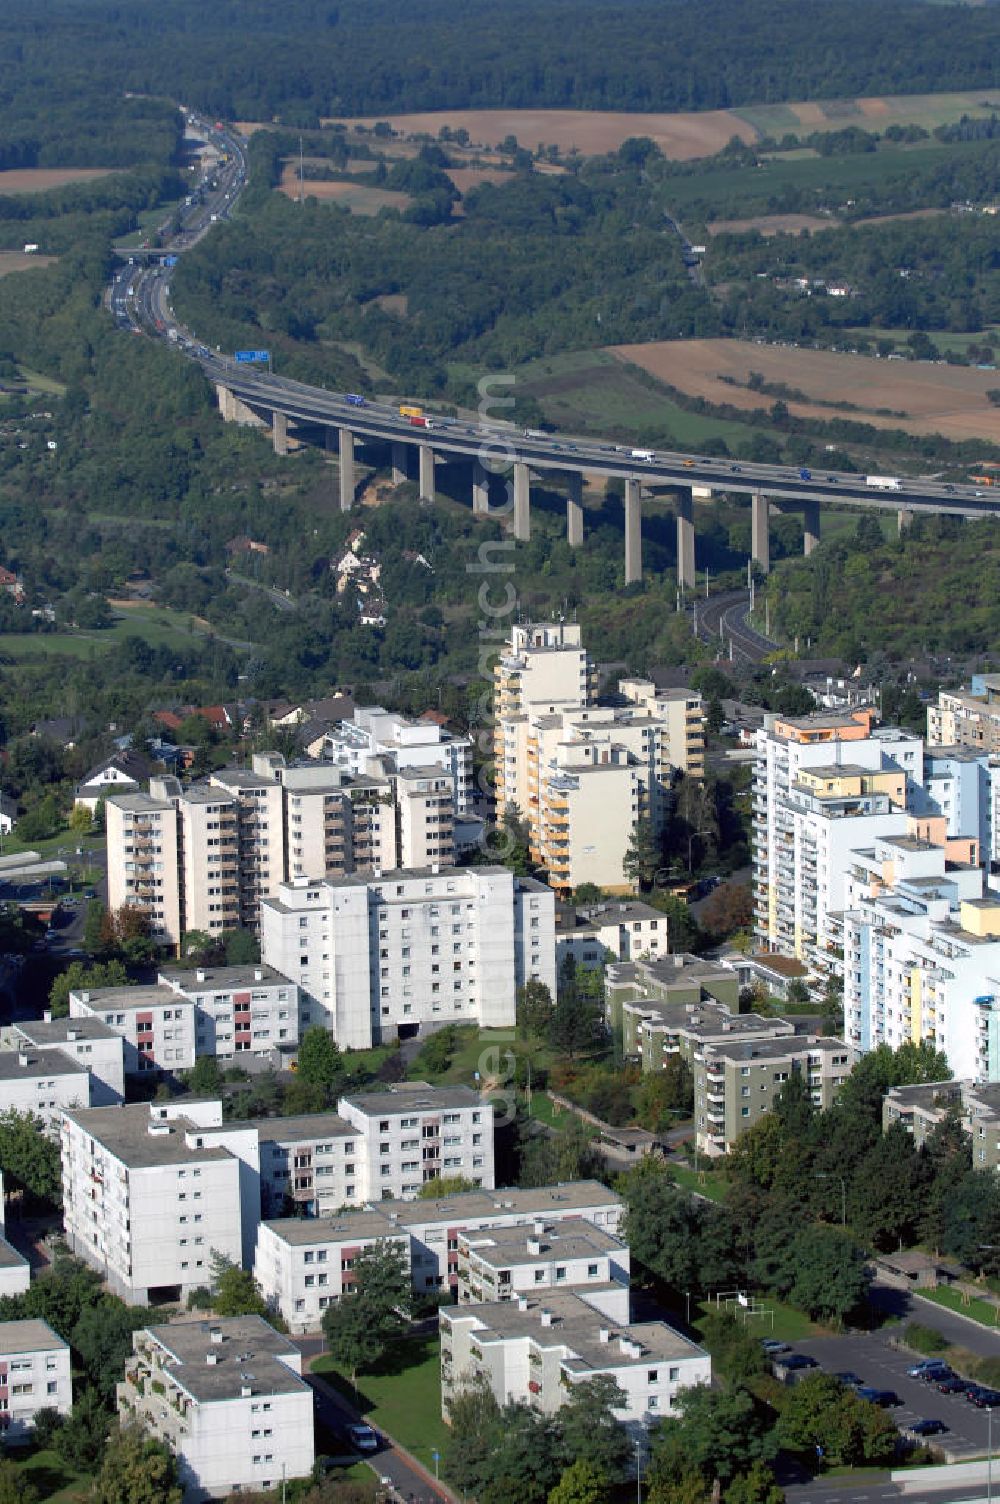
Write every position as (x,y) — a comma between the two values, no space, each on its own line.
(881,1366)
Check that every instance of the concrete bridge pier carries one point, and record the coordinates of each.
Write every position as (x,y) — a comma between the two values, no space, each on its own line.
(426,473)
(760,543)
(574,509)
(685,539)
(904,519)
(633,532)
(398,462)
(279,432)
(347,480)
(522,502)
(810,527)
(227,403)
(480,489)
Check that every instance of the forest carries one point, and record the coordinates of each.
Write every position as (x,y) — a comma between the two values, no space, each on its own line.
(310,58)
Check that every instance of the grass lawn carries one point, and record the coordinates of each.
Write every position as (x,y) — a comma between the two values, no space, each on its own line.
(983,1311)
(39,383)
(55,1481)
(790,1324)
(65,841)
(402,1398)
(157,625)
(944,339)
(702,1181)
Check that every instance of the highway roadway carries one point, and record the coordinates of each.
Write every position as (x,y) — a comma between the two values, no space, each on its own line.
(140,299)
(722,619)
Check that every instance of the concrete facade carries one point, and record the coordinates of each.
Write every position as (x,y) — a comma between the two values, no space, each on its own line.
(227,1397)
(34,1375)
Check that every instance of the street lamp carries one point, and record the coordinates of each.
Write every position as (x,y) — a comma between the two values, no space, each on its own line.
(823,1175)
(639,1453)
(989,1454)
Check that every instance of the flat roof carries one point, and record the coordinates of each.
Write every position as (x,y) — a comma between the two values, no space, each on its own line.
(124,1132)
(457,1210)
(138,804)
(308,1126)
(28,1337)
(577,1325)
(574,1238)
(248,1354)
(414,1096)
(213,978)
(772,1049)
(49,1031)
(47,1062)
(156,996)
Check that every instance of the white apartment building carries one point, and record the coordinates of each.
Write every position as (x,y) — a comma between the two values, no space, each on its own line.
(34,1375)
(601,932)
(96,1047)
(536,1348)
(823,784)
(381,957)
(150,1192)
(302,1265)
(156,1024)
(143,849)
(15,1271)
(507,1263)
(43,1082)
(228,1398)
(246,1011)
(311,1165)
(922,956)
(414,1133)
(401,745)
(581,775)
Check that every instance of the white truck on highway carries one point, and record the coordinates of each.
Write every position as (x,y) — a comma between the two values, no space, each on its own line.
(646,455)
(883,482)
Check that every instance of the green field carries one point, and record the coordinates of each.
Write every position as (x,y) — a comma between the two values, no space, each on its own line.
(928,110)
(789,1324)
(741,193)
(157,625)
(39,383)
(402,1398)
(945,341)
(589,390)
(55,1482)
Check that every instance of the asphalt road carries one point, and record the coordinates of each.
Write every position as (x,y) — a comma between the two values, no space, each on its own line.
(721,621)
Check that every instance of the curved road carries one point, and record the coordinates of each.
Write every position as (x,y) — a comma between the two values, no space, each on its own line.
(139,298)
(722,619)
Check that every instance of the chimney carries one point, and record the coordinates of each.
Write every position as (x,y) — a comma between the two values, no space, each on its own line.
(73,1034)
(23,1058)
(245,1391)
(546,1318)
(215,1334)
(604,1334)
(47,1016)
(200,975)
(538,1227)
(258,975)
(534,1247)
(85,997)
(211,1359)
(522,1304)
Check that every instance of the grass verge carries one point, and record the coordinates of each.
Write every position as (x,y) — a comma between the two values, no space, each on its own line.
(402,1397)
(983,1311)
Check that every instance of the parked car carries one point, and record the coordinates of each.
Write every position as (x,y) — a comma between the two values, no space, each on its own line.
(774,1348)
(925,1366)
(886,1399)
(795,1361)
(982,1398)
(849,1379)
(363,1438)
(927,1428)
(951,1385)
(936,1374)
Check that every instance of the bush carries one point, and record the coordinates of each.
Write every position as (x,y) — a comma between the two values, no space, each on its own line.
(925,1339)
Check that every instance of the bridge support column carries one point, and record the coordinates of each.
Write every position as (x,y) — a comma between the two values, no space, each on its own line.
(574,509)
(426,473)
(685,539)
(810,527)
(760,543)
(480,489)
(904,519)
(522,502)
(279,432)
(347,481)
(227,403)
(633,533)
(398,462)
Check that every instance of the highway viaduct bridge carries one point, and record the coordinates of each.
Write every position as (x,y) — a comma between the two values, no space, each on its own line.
(496,448)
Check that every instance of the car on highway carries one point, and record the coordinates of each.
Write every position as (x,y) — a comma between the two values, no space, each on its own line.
(363,1437)
(926,1427)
